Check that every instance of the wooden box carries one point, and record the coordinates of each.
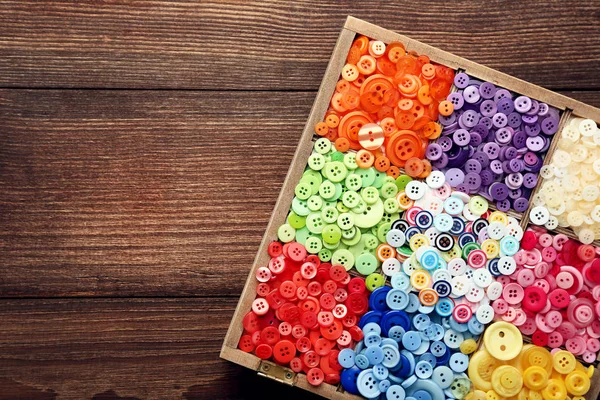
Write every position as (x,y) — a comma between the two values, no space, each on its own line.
(351,29)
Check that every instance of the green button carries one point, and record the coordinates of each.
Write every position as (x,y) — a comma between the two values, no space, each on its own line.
(339,190)
(300,207)
(327,190)
(371,241)
(404,251)
(332,246)
(389,190)
(383,230)
(374,281)
(478,205)
(367,176)
(350,199)
(335,171)
(352,240)
(296,221)
(315,223)
(370,195)
(353,182)
(366,263)
(379,178)
(337,156)
(390,206)
(469,247)
(315,203)
(286,233)
(331,233)
(325,255)
(313,178)
(313,245)
(402,181)
(371,216)
(350,161)
(345,221)
(329,214)
(361,207)
(302,235)
(316,161)
(322,146)
(303,191)
(344,258)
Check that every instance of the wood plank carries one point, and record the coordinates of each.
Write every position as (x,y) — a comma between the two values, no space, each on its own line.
(119,193)
(125,349)
(272,45)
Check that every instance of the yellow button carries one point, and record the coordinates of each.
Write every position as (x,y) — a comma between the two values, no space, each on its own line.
(590,371)
(476,395)
(481,367)
(503,340)
(420,279)
(498,216)
(491,395)
(418,240)
(564,362)
(577,383)
(537,356)
(468,346)
(533,395)
(507,381)
(491,248)
(535,377)
(555,390)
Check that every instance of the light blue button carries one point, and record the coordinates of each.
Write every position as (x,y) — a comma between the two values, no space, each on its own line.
(411,340)
(367,384)
(453,339)
(423,347)
(434,332)
(372,327)
(380,372)
(509,246)
(389,341)
(400,281)
(374,355)
(372,339)
(438,348)
(429,260)
(397,299)
(442,376)
(413,303)
(391,356)
(423,370)
(427,386)
(475,327)
(396,333)
(421,321)
(459,362)
(453,206)
(408,382)
(361,361)
(422,395)
(346,358)
(395,392)
(426,309)
(443,222)
(384,385)
(444,307)
(430,358)
(457,326)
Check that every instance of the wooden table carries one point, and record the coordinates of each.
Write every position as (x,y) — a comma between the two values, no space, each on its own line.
(142,148)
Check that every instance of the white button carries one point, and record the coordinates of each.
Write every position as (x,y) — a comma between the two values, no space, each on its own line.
(496,230)
(395,238)
(494,291)
(485,314)
(391,266)
(441,275)
(482,277)
(552,223)
(436,179)
(415,190)
(463,196)
(475,294)
(587,127)
(539,215)
(507,265)
(457,266)
(460,286)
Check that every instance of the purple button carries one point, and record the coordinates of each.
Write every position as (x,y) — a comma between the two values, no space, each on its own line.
(503,205)
(470,118)
(504,135)
(441,163)
(449,120)
(464,188)
(523,104)
(496,167)
(550,125)
(499,191)
(514,120)
(533,130)
(492,150)
(473,181)
(535,143)
(515,193)
(530,159)
(521,204)
(455,177)
(488,108)
(501,94)
(535,108)
(445,143)
(482,158)
(471,94)
(543,109)
(461,80)
(486,177)
(499,120)
(529,119)
(487,90)
(505,105)
(487,122)
(461,137)
(530,180)
(515,165)
(476,139)
(433,152)
(473,166)
(519,140)
(456,99)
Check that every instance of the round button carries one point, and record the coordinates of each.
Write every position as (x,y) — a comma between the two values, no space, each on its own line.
(503,341)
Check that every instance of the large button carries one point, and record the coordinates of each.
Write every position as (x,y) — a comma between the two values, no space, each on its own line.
(503,341)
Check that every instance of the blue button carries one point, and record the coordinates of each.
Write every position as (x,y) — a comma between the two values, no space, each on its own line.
(421,321)
(411,340)
(348,379)
(404,369)
(391,356)
(429,260)
(422,395)
(371,316)
(423,347)
(397,299)
(384,385)
(443,288)
(413,303)
(374,355)
(475,327)
(430,358)
(367,384)
(443,360)
(424,219)
(361,361)
(377,298)
(395,392)
(380,372)
(426,386)
(411,361)
(438,348)
(457,326)
(394,318)
(458,226)
(509,245)
(396,333)
(410,232)
(400,281)
(423,370)
(459,362)
(346,358)
(442,376)
(465,238)
(371,327)
(372,339)
(408,382)
(453,339)
(434,332)
(389,341)
(492,266)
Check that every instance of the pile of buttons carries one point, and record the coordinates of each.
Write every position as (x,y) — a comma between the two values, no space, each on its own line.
(554,294)
(455,247)
(570,193)
(492,142)
(342,211)
(505,368)
(386,102)
(409,349)
(304,313)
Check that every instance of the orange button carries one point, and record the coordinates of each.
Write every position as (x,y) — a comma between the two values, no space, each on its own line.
(364,158)
(414,167)
(382,164)
(371,136)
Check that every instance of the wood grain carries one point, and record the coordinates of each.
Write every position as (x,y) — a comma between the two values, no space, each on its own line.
(273,45)
(125,349)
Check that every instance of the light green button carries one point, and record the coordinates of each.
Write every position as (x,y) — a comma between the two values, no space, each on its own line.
(337,156)
(353,182)
(327,190)
(367,176)
(341,207)
(374,281)
(325,255)
(296,221)
(286,233)
(329,214)
(303,191)
(315,203)
(379,178)
(313,245)
(390,206)
(360,208)
(313,178)
(335,171)
(344,258)
(332,246)
(302,235)
(478,205)
(350,199)
(371,216)
(370,195)
(339,190)
(316,161)
(345,221)
(322,146)
(300,207)
(315,223)
(389,190)
(366,263)
(353,240)
(383,230)
(331,233)
(371,241)
(350,161)
(402,181)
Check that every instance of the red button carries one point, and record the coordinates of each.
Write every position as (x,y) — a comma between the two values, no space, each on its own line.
(539,338)
(323,347)
(246,343)
(593,271)
(308,319)
(311,359)
(529,240)
(559,298)
(333,331)
(349,321)
(356,333)
(315,376)
(357,285)
(296,364)
(534,299)
(296,251)
(275,249)
(287,289)
(586,252)
(270,335)
(357,303)
(337,273)
(303,344)
(284,351)
(330,286)
(250,322)
(263,351)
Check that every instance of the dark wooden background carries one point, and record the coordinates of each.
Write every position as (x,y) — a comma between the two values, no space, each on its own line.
(142,147)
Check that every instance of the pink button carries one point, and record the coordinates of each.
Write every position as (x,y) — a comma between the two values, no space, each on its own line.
(533,257)
(545,240)
(512,293)
(520,317)
(509,315)
(581,312)
(559,240)
(542,284)
(541,270)
(593,344)
(559,298)
(553,319)
(594,329)
(577,278)
(567,330)
(547,308)
(443,192)
(588,357)
(528,327)
(549,254)
(525,277)
(500,306)
(555,340)
(263,274)
(504,280)
(540,321)
(575,345)
(520,257)
(564,280)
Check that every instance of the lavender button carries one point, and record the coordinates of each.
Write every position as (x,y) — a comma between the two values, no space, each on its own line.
(505,106)
(461,80)
(535,108)
(476,139)
(488,108)
(461,137)
(501,94)
(473,181)
(496,167)
(529,119)
(486,177)
(473,166)
(470,118)
(514,180)
(445,143)
(487,122)
(515,165)
(530,180)
(434,151)
(533,130)
(482,158)
(471,94)
(504,135)
(544,108)
(454,177)
(514,120)
(487,90)
(441,163)
(550,125)
(515,193)
(492,150)
(523,104)
(499,120)
(499,191)
(535,143)
(511,154)
(449,120)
